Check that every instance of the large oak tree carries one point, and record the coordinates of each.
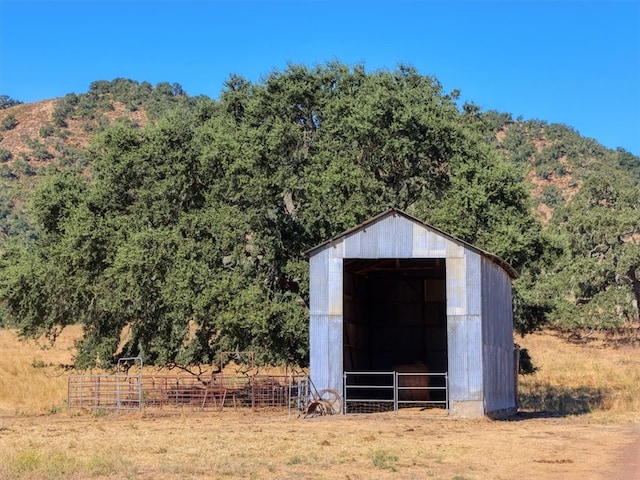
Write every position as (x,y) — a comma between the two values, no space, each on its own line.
(186,238)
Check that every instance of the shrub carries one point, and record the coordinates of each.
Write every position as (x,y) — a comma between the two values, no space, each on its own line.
(5,155)
(525,365)
(8,123)
(64,108)
(382,459)
(47,130)
(518,145)
(63,134)
(6,172)
(552,196)
(40,152)
(23,168)
(6,101)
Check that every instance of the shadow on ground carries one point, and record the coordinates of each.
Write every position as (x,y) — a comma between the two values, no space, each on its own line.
(554,401)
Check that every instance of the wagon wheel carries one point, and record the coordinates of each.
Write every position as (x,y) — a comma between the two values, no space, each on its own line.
(316,407)
(331,398)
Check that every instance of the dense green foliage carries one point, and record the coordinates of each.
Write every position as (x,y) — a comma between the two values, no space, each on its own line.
(598,273)
(588,280)
(21,169)
(186,237)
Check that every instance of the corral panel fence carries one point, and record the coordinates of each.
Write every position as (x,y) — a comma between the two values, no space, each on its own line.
(122,391)
(117,392)
(211,391)
(386,391)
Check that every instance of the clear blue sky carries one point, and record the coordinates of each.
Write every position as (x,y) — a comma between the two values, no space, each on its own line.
(576,63)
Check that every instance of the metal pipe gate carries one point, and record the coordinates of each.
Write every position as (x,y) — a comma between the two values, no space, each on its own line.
(379,391)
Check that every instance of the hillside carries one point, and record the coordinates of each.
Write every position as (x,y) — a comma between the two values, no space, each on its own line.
(557,161)
(35,123)
(150,206)
(40,137)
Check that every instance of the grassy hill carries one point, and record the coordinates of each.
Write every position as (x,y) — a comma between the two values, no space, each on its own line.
(557,160)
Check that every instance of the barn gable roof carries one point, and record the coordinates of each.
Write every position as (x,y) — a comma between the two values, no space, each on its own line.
(394,211)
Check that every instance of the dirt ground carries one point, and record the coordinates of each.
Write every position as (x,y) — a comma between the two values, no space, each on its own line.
(628,466)
(177,444)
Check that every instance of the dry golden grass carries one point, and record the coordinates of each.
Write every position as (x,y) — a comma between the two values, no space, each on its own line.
(579,378)
(38,441)
(31,380)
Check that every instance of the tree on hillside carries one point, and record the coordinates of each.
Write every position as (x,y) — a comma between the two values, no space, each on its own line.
(629,162)
(597,283)
(6,101)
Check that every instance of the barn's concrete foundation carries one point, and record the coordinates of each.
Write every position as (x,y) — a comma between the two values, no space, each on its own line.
(467,409)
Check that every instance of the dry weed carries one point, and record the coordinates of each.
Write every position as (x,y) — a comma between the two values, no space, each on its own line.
(31,377)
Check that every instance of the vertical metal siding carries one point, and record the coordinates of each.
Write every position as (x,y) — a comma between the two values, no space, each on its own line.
(473,284)
(390,237)
(352,248)
(464,328)
(456,282)
(337,250)
(325,327)
(457,359)
(335,351)
(464,339)
(318,350)
(499,368)
(334,285)
(318,291)
(398,237)
(326,347)
(427,244)
(454,250)
(473,325)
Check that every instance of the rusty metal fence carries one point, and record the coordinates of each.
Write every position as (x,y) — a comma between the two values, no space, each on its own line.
(119,392)
(218,391)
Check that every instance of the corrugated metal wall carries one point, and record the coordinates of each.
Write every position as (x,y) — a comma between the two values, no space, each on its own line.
(497,334)
(473,313)
(464,323)
(326,322)
(389,238)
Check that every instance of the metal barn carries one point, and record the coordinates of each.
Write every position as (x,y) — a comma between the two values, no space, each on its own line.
(395,290)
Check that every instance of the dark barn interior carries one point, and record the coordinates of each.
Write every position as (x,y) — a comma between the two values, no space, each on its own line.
(394,314)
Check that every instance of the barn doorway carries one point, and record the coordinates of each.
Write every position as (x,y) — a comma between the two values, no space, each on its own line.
(395,315)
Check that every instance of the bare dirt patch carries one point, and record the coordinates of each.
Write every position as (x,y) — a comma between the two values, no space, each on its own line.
(627,466)
(31,117)
(565,183)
